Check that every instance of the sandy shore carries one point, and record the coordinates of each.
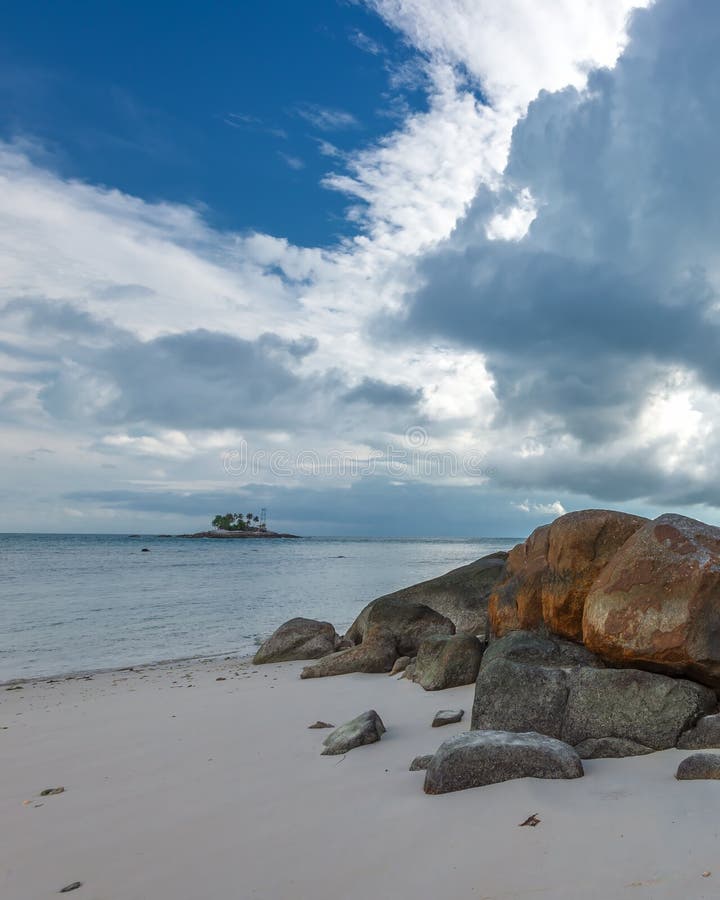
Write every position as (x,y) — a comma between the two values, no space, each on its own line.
(182,787)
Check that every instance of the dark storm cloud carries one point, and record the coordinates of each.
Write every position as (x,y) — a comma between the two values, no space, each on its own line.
(637,476)
(91,370)
(193,380)
(615,283)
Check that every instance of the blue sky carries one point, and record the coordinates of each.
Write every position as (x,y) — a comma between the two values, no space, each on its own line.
(480,237)
(224,107)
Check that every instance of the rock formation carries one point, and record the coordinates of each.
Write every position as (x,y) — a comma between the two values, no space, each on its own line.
(581,704)
(604,635)
(531,647)
(393,629)
(657,602)
(298,639)
(445,661)
(475,758)
(548,577)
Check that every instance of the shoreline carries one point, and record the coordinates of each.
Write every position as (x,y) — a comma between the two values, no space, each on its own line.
(76,674)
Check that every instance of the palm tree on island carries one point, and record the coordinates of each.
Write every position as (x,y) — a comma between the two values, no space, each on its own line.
(238,522)
(239,525)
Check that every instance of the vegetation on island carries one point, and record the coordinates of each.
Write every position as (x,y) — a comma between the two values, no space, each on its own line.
(238,522)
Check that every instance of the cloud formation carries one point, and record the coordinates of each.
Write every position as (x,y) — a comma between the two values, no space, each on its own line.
(532,279)
(600,327)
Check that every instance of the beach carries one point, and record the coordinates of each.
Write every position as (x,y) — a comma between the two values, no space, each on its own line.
(180,786)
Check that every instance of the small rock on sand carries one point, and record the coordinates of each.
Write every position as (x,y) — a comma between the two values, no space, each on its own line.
(401,663)
(420,763)
(50,792)
(699,766)
(531,822)
(367,728)
(320,724)
(447,717)
(70,887)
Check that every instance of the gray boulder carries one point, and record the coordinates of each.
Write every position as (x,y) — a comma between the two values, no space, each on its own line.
(580,704)
(699,766)
(298,639)
(376,654)
(461,595)
(531,647)
(510,696)
(447,717)
(366,728)
(643,707)
(420,763)
(704,736)
(448,661)
(409,624)
(393,630)
(610,748)
(477,758)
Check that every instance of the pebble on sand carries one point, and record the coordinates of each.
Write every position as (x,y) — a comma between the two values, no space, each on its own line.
(447,717)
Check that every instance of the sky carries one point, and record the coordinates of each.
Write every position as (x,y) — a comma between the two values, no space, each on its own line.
(378,266)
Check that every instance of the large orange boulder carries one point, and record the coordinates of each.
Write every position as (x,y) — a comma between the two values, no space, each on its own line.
(516,602)
(657,603)
(549,576)
(580,547)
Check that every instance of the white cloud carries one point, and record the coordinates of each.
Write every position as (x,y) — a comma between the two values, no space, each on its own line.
(419,180)
(513,48)
(545,509)
(170,444)
(152,271)
(600,325)
(326,118)
(512,223)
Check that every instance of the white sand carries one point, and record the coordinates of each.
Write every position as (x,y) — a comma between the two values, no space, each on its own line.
(219,792)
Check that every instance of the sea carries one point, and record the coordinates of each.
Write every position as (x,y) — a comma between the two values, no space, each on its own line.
(80,603)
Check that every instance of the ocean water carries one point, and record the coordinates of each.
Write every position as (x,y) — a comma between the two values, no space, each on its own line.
(75,603)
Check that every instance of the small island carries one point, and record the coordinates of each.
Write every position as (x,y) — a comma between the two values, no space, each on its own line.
(239,525)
